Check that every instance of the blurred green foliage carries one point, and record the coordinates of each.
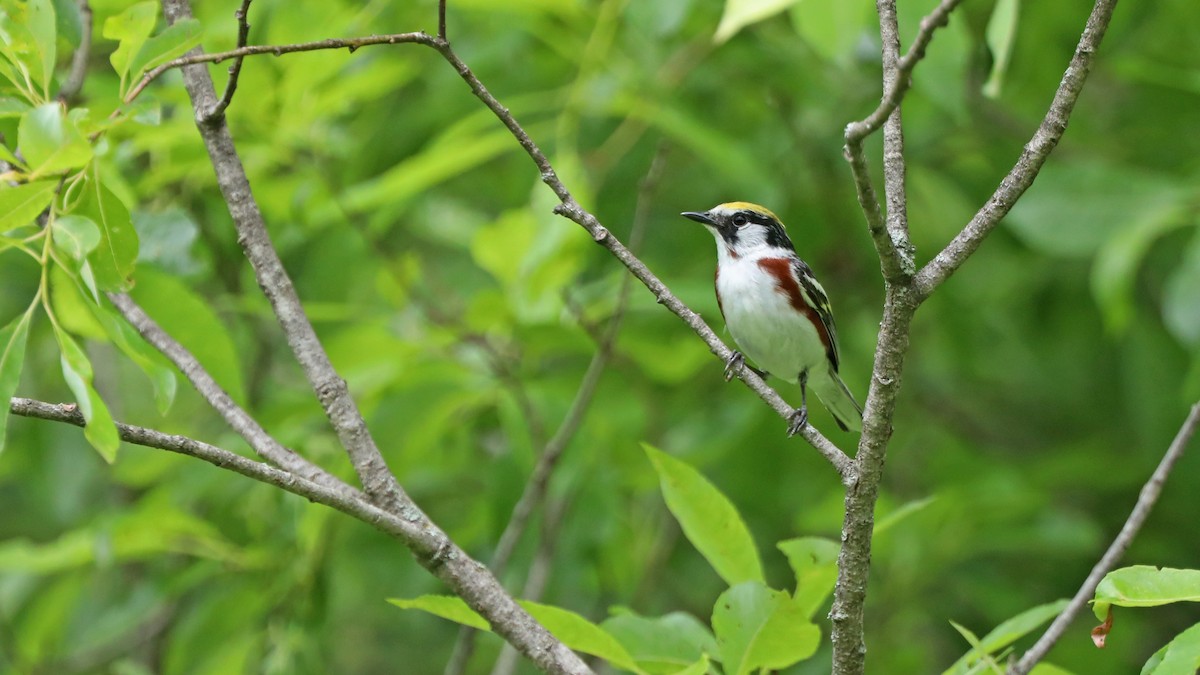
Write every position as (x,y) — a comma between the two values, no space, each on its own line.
(1043,382)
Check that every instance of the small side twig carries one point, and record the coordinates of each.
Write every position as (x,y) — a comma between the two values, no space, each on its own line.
(235,70)
(79,60)
(1145,502)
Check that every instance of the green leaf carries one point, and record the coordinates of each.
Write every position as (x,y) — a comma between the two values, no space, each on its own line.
(114,257)
(758,627)
(741,13)
(192,322)
(1001,36)
(832,29)
(1181,297)
(700,667)
(570,628)
(100,431)
(145,357)
(50,142)
(1115,269)
(1075,208)
(662,644)
(1145,586)
(1008,632)
(1180,656)
(131,28)
(12,356)
(446,606)
(708,519)
(814,561)
(75,236)
(1049,669)
(907,509)
(13,107)
(22,204)
(580,634)
(28,39)
(172,42)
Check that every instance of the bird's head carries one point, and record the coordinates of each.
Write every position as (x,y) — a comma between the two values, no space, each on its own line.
(742,227)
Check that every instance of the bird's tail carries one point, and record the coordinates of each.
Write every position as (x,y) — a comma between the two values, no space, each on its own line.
(838,400)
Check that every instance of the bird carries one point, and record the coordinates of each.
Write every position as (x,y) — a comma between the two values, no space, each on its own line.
(776,310)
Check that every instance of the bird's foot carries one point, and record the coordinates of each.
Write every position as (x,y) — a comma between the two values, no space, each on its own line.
(797,421)
(738,361)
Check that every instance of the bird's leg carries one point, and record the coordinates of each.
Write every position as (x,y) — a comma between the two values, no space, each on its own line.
(799,416)
(736,361)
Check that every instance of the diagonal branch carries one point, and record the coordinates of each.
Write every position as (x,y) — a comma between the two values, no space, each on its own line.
(1145,502)
(79,60)
(890,235)
(1033,157)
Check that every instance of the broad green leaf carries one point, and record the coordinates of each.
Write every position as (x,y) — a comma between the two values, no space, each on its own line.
(580,634)
(832,29)
(1115,269)
(446,606)
(1181,297)
(50,142)
(100,431)
(76,236)
(662,644)
(570,628)
(192,322)
(28,39)
(12,356)
(1180,656)
(1145,586)
(72,306)
(1001,36)
(814,561)
(741,13)
(758,627)
(172,42)
(708,518)
(131,28)
(114,257)
(21,204)
(13,107)
(1008,632)
(700,667)
(1075,208)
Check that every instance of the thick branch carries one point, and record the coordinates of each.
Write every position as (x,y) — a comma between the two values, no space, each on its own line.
(890,235)
(1033,157)
(1146,500)
(469,580)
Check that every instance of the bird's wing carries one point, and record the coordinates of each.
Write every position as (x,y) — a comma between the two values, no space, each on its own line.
(816,297)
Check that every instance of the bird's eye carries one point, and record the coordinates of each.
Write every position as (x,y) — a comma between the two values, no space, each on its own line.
(740,219)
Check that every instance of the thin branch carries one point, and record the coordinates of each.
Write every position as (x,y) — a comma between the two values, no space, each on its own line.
(1145,502)
(890,235)
(441,34)
(79,60)
(570,209)
(1033,157)
(234,415)
(352,44)
(242,16)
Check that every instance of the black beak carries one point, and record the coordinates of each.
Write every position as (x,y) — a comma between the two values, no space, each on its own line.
(699,217)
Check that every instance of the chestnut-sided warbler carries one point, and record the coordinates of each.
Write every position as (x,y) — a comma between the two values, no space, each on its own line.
(776,310)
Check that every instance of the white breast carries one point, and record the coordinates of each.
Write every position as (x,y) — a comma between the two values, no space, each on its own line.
(763,323)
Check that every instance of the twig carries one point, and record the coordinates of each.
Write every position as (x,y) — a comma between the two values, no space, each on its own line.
(890,235)
(1033,157)
(236,69)
(79,60)
(1145,502)
(441,34)
(352,44)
